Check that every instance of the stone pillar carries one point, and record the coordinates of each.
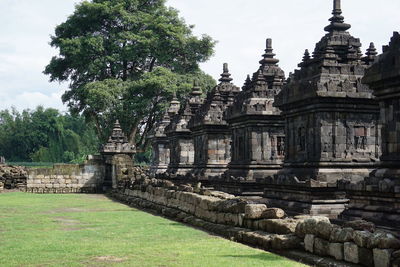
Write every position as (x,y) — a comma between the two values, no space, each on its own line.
(257,126)
(331,122)
(212,136)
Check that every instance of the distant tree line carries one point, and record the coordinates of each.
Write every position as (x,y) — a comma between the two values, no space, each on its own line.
(45,135)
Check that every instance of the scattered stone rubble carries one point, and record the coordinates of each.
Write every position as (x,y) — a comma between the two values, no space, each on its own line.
(12,177)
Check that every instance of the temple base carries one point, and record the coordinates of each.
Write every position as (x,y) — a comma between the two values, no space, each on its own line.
(376,198)
(323,201)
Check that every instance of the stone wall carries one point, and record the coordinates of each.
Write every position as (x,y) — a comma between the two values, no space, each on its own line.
(253,222)
(68,178)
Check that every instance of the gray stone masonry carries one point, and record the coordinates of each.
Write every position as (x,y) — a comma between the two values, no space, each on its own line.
(248,221)
(377,197)
(211,133)
(331,124)
(68,178)
(116,151)
(258,137)
(160,142)
(180,137)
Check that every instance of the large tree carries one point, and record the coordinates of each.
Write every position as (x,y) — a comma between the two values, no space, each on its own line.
(124,59)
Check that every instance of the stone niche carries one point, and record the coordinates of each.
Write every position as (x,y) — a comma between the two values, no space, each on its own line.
(160,141)
(180,137)
(377,197)
(258,137)
(211,133)
(331,124)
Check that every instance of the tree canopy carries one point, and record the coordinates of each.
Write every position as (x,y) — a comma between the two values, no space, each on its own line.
(45,135)
(124,59)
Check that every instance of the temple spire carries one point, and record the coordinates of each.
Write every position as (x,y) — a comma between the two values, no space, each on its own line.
(269,55)
(247,83)
(337,21)
(174,106)
(225,76)
(196,90)
(370,55)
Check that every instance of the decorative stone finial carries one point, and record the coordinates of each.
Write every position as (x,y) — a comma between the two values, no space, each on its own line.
(306,56)
(174,105)
(306,59)
(247,83)
(225,76)
(117,142)
(196,90)
(337,5)
(370,55)
(269,55)
(337,21)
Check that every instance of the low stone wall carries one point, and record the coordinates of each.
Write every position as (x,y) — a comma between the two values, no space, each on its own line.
(252,222)
(68,178)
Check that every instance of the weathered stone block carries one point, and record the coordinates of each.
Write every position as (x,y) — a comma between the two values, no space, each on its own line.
(366,256)
(382,257)
(273,213)
(384,241)
(341,235)
(283,242)
(308,226)
(309,243)
(278,226)
(254,211)
(351,252)
(336,251)
(321,246)
(362,238)
(323,229)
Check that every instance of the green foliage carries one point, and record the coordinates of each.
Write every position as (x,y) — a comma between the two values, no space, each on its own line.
(45,135)
(91,230)
(124,59)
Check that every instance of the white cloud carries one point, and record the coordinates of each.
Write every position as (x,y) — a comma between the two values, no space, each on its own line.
(30,100)
(240,26)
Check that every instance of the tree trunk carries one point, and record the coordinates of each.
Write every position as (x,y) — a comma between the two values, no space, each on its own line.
(152,63)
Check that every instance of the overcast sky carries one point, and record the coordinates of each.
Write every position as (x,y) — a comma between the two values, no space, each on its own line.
(239,26)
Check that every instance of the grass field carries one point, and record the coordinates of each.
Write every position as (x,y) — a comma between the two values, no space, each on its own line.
(91,230)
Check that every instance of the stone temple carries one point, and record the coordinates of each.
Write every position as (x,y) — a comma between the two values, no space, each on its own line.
(180,136)
(211,134)
(160,142)
(331,121)
(258,137)
(323,141)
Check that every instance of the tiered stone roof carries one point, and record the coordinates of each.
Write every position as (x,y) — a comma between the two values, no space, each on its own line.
(179,122)
(258,93)
(217,101)
(335,68)
(117,142)
(160,127)
(385,72)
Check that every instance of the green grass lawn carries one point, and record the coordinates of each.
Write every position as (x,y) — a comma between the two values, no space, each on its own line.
(91,230)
